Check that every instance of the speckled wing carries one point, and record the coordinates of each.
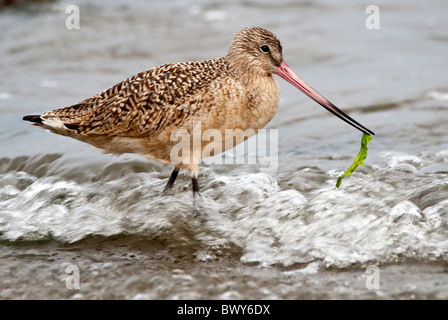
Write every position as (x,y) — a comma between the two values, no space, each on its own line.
(145,103)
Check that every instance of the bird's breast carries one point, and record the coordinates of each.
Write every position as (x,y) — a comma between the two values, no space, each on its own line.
(242,105)
(263,99)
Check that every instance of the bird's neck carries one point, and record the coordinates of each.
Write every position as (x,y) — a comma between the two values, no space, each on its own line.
(243,70)
(262,93)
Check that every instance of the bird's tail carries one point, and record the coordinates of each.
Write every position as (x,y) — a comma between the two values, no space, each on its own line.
(36,119)
(52,123)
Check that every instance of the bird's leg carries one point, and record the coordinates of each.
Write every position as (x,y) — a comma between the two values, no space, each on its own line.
(171,180)
(194,180)
(196,195)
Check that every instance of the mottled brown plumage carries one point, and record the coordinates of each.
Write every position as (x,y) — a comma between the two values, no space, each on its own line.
(146,103)
(140,114)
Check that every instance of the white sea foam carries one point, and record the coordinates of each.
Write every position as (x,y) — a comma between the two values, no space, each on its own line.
(262,216)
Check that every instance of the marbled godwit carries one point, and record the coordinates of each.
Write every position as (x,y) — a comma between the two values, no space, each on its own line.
(140,114)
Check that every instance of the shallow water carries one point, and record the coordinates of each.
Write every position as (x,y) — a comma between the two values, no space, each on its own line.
(287,234)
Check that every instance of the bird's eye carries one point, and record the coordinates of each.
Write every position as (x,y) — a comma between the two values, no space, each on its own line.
(265,48)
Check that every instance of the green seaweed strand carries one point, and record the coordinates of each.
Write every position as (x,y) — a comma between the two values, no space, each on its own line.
(362,155)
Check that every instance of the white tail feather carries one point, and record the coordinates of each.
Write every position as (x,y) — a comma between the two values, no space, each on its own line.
(54,123)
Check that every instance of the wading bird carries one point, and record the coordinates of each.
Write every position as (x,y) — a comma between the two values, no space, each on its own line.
(141,114)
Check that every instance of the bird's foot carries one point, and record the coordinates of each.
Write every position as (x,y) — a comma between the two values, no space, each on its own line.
(199,206)
(166,192)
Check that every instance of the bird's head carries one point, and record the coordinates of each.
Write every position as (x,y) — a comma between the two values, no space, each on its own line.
(257,51)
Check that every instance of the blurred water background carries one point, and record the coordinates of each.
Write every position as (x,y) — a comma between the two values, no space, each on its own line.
(285,235)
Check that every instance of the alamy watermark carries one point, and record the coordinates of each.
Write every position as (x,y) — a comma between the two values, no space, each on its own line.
(373,20)
(73,20)
(372,275)
(192,146)
(72,280)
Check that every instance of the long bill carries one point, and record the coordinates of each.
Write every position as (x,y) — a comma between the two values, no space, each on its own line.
(286,73)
